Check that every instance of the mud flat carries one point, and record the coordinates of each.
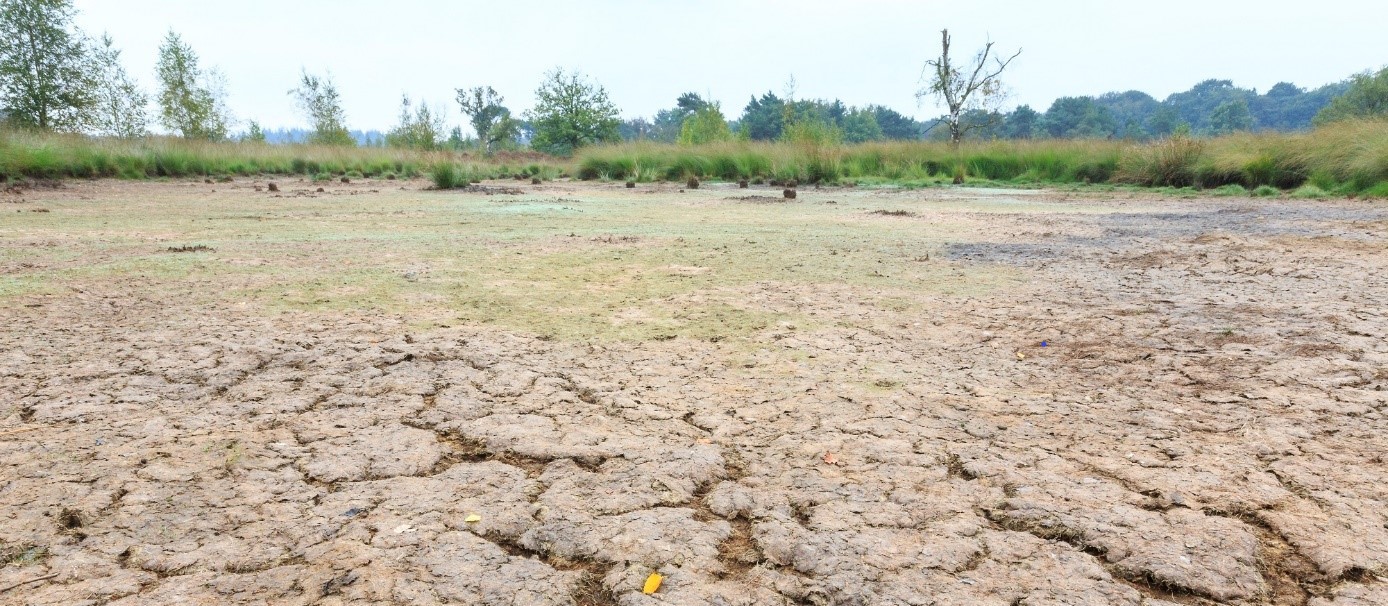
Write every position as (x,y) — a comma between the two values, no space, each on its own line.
(973,397)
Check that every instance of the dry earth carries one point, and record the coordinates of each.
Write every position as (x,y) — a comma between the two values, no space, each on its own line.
(768,403)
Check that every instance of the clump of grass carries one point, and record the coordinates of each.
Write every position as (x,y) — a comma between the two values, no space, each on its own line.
(1310,191)
(1377,191)
(1231,190)
(447,175)
(1168,162)
(1266,191)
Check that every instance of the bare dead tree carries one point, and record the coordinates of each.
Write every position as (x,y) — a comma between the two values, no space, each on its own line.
(980,89)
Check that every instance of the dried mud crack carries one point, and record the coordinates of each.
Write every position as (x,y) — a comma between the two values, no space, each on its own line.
(1003,398)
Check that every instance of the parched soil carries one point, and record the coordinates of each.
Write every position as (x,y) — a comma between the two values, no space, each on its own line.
(946,396)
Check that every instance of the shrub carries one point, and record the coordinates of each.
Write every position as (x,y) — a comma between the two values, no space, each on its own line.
(447,175)
(1266,191)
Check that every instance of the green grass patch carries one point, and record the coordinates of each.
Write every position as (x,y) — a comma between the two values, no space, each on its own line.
(57,156)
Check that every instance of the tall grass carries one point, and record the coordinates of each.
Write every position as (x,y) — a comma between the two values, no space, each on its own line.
(1038,161)
(1342,158)
(55,156)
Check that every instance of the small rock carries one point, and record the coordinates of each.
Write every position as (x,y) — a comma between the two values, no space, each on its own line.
(789,194)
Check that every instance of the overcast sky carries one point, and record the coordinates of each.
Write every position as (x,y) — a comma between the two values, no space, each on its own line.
(647,53)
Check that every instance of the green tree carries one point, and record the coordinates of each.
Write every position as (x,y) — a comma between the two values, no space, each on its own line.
(570,113)
(254,134)
(635,129)
(972,88)
(419,127)
(319,100)
(669,123)
(1130,110)
(705,125)
(1231,116)
(860,126)
(191,101)
(121,107)
(1022,123)
(895,125)
(45,81)
(1164,121)
(1078,118)
(489,118)
(1197,104)
(764,118)
(1367,97)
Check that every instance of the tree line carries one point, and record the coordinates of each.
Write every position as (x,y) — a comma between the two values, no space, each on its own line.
(55,77)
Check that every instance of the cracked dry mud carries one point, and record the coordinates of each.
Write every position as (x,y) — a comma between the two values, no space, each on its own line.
(1205,425)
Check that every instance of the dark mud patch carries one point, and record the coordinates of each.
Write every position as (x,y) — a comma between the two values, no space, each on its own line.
(759,199)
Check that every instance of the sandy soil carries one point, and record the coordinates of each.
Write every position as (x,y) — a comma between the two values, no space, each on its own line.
(1010,398)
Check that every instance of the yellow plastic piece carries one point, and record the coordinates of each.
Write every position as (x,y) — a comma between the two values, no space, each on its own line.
(652,583)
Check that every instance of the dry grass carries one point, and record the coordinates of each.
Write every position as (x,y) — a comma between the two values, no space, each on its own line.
(577,262)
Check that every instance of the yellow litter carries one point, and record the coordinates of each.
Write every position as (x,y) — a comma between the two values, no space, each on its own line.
(652,583)
(472,518)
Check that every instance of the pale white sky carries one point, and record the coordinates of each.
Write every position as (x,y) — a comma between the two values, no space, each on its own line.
(648,52)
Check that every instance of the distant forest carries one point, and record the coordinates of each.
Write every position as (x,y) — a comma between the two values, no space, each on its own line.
(1212,107)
